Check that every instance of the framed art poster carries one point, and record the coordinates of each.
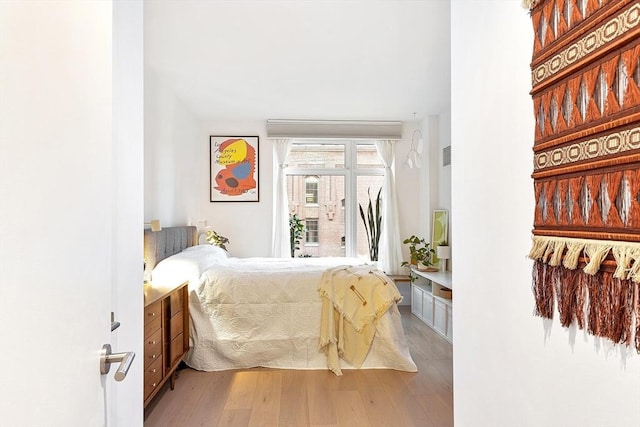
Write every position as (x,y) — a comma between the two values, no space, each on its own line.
(233,165)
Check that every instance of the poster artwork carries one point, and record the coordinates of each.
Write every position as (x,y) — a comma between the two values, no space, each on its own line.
(234,169)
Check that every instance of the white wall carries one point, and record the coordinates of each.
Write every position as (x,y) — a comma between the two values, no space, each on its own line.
(444,172)
(172,155)
(511,368)
(436,178)
(414,189)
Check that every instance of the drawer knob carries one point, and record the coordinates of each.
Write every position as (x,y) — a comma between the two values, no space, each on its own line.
(152,314)
(153,385)
(152,342)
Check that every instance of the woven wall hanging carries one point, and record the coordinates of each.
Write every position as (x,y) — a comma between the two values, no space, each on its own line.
(586,99)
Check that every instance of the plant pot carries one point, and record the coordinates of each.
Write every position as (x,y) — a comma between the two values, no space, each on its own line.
(423,267)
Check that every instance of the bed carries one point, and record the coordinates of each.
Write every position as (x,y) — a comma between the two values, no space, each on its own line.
(269,312)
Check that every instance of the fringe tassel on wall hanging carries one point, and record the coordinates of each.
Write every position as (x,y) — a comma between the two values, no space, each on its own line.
(602,300)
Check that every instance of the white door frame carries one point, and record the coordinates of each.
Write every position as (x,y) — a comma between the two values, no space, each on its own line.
(128,146)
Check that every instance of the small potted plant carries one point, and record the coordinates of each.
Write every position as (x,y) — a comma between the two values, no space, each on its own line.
(421,253)
(217,239)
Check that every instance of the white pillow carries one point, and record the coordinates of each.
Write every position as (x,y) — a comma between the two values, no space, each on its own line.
(187,265)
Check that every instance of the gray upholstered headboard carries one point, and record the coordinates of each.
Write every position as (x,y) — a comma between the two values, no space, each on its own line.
(159,245)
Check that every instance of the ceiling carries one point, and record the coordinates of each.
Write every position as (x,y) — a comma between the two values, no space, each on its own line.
(304,59)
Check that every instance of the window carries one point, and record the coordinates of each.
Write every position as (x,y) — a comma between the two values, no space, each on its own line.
(311,190)
(326,183)
(312,231)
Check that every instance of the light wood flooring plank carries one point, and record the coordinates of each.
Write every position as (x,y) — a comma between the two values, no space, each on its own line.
(321,408)
(437,409)
(210,404)
(377,399)
(265,410)
(350,409)
(408,409)
(242,390)
(235,417)
(294,404)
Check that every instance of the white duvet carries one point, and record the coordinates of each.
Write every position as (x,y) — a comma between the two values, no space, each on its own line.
(265,312)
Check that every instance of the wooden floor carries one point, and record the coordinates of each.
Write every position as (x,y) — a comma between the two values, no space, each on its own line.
(277,397)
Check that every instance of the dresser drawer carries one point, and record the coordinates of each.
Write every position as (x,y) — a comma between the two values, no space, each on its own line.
(152,380)
(153,326)
(151,356)
(152,312)
(176,302)
(152,341)
(175,326)
(176,349)
(154,369)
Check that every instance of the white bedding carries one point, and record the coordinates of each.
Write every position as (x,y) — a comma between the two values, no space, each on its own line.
(251,312)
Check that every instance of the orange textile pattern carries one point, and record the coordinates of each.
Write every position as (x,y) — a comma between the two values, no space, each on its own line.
(585,74)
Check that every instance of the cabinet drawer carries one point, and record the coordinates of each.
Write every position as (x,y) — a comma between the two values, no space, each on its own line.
(151,327)
(175,326)
(153,370)
(152,380)
(427,308)
(440,317)
(176,302)
(152,341)
(152,356)
(152,312)
(416,301)
(176,350)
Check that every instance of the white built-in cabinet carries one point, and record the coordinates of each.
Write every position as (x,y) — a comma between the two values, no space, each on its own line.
(431,300)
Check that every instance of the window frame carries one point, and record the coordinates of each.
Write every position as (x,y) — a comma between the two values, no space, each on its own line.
(308,180)
(308,242)
(350,172)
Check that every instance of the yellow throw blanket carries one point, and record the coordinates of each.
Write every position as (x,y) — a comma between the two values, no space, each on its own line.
(353,299)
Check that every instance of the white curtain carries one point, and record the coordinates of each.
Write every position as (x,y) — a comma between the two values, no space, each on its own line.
(281,247)
(390,247)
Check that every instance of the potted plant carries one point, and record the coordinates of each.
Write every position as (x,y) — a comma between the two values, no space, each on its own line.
(372,224)
(421,253)
(217,239)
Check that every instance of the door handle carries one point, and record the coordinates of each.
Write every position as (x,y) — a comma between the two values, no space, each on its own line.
(107,358)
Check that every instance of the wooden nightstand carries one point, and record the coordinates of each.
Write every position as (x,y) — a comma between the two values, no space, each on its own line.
(166,335)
